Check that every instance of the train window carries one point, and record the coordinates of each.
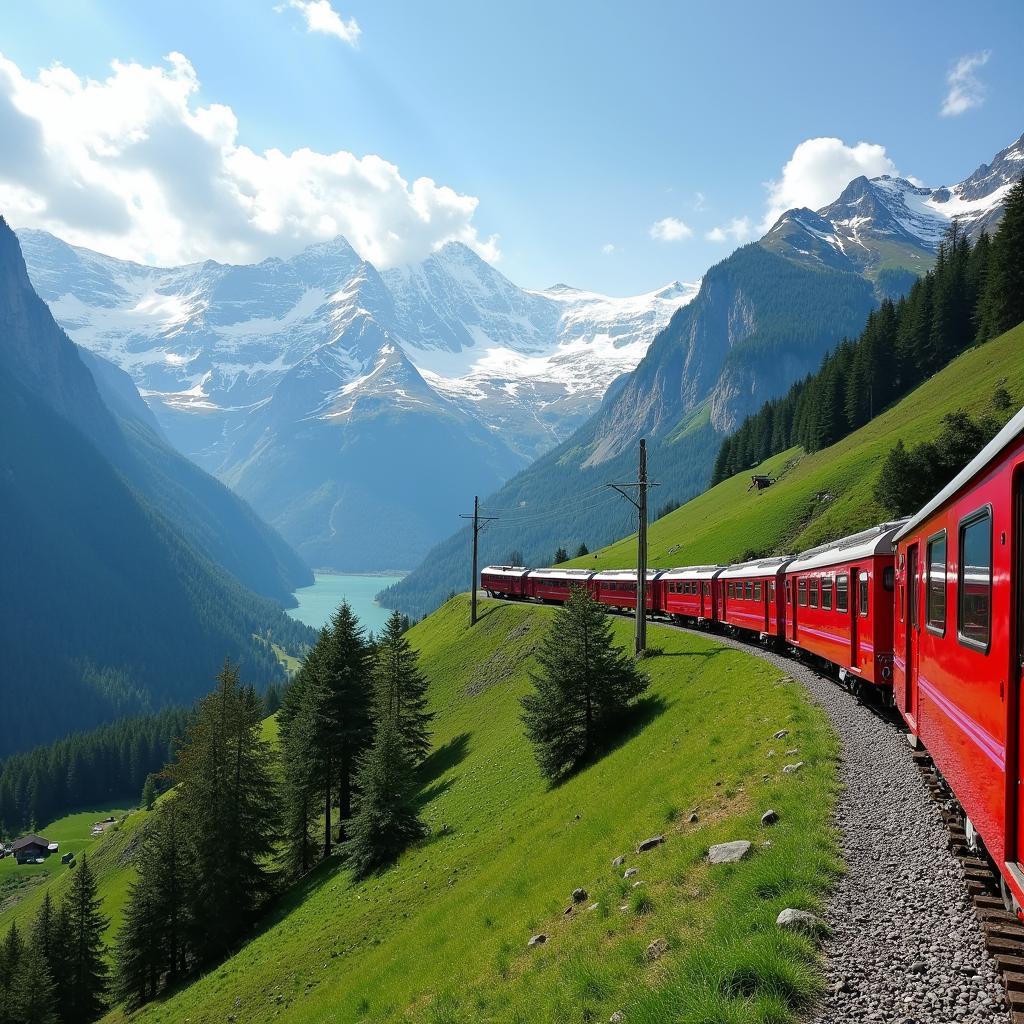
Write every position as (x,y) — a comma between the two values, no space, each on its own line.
(771,590)
(707,588)
(842,593)
(749,590)
(789,591)
(864,591)
(975,580)
(826,593)
(935,588)
(802,589)
(814,593)
(888,578)
(757,591)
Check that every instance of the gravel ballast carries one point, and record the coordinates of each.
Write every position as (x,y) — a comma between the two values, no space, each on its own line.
(906,947)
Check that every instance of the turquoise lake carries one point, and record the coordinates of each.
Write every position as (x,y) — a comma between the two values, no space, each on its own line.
(318,602)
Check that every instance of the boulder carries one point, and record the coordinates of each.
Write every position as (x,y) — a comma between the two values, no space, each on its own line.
(650,844)
(616,1018)
(790,768)
(800,921)
(537,940)
(693,818)
(619,861)
(579,895)
(793,752)
(769,817)
(657,949)
(630,872)
(729,853)
(779,735)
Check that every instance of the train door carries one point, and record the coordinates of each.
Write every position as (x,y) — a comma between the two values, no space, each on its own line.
(913,630)
(854,607)
(791,602)
(1017,620)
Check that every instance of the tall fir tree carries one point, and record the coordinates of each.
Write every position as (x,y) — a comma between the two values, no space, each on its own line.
(87,970)
(386,819)
(33,997)
(50,936)
(1002,304)
(227,800)
(583,689)
(11,952)
(401,690)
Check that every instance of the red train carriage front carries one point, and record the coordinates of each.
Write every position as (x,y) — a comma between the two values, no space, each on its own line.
(959,643)
(556,584)
(505,580)
(617,589)
(839,603)
(690,592)
(750,596)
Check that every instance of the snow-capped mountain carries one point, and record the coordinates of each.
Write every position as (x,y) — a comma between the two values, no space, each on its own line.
(886,221)
(254,371)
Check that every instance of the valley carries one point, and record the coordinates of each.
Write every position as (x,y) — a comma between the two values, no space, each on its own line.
(317,603)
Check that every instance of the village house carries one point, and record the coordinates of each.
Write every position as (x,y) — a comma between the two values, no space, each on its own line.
(29,849)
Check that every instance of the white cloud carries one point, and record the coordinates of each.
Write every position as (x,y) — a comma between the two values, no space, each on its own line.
(320,16)
(966,91)
(819,170)
(739,229)
(700,201)
(134,167)
(608,249)
(670,229)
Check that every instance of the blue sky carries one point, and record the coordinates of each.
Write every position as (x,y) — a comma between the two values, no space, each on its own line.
(577,127)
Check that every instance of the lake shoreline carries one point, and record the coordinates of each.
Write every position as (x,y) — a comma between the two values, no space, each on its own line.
(316,604)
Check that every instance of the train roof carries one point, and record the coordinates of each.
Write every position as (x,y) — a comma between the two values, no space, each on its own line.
(876,541)
(624,574)
(693,572)
(563,574)
(504,570)
(756,567)
(974,468)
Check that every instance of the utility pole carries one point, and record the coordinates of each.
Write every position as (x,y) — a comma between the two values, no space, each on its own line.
(479,522)
(640,503)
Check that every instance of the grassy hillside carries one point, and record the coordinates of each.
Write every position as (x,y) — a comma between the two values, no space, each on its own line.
(442,937)
(827,494)
(22,885)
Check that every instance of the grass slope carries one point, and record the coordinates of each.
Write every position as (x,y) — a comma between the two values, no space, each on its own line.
(441,937)
(22,886)
(827,494)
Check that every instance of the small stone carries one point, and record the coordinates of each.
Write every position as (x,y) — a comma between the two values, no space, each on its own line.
(693,818)
(636,885)
(593,906)
(790,768)
(650,844)
(769,817)
(568,910)
(771,753)
(779,735)
(729,853)
(619,861)
(918,967)
(616,1018)
(793,752)
(537,940)
(841,986)
(579,895)
(800,921)
(630,872)
(657,949)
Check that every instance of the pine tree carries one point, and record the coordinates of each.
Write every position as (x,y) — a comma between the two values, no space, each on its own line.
(386,820)
(1002,305)
(33,998)
(561,555)
(149,793)
(50,936)
(87,967)
(583,689)
(11,953)
(401,690)
(582,550)
(302,775)
(228,805)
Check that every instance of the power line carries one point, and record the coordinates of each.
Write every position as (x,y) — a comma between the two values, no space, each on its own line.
(477,520)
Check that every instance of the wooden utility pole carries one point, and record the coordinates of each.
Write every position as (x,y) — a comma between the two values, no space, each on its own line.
(479,522)
(640,503)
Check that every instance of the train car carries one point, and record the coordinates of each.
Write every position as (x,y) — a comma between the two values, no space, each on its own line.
(616,588)
(505,581)
(959,644)
(751,596)
(839,604)
(690,593)
(555,585)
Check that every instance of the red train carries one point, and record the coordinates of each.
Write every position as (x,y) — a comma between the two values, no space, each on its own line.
(926,613)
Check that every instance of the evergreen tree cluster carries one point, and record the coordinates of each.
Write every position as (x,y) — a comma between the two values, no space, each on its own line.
(205,859)
(98,767)
(583,690)
(973,294)
(56,972)
(354,730)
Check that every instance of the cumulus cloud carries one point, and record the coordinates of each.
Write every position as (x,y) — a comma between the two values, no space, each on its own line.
(739,229)
(321,17)
(966,91)
(670,229)
(134,167)
(819,170)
